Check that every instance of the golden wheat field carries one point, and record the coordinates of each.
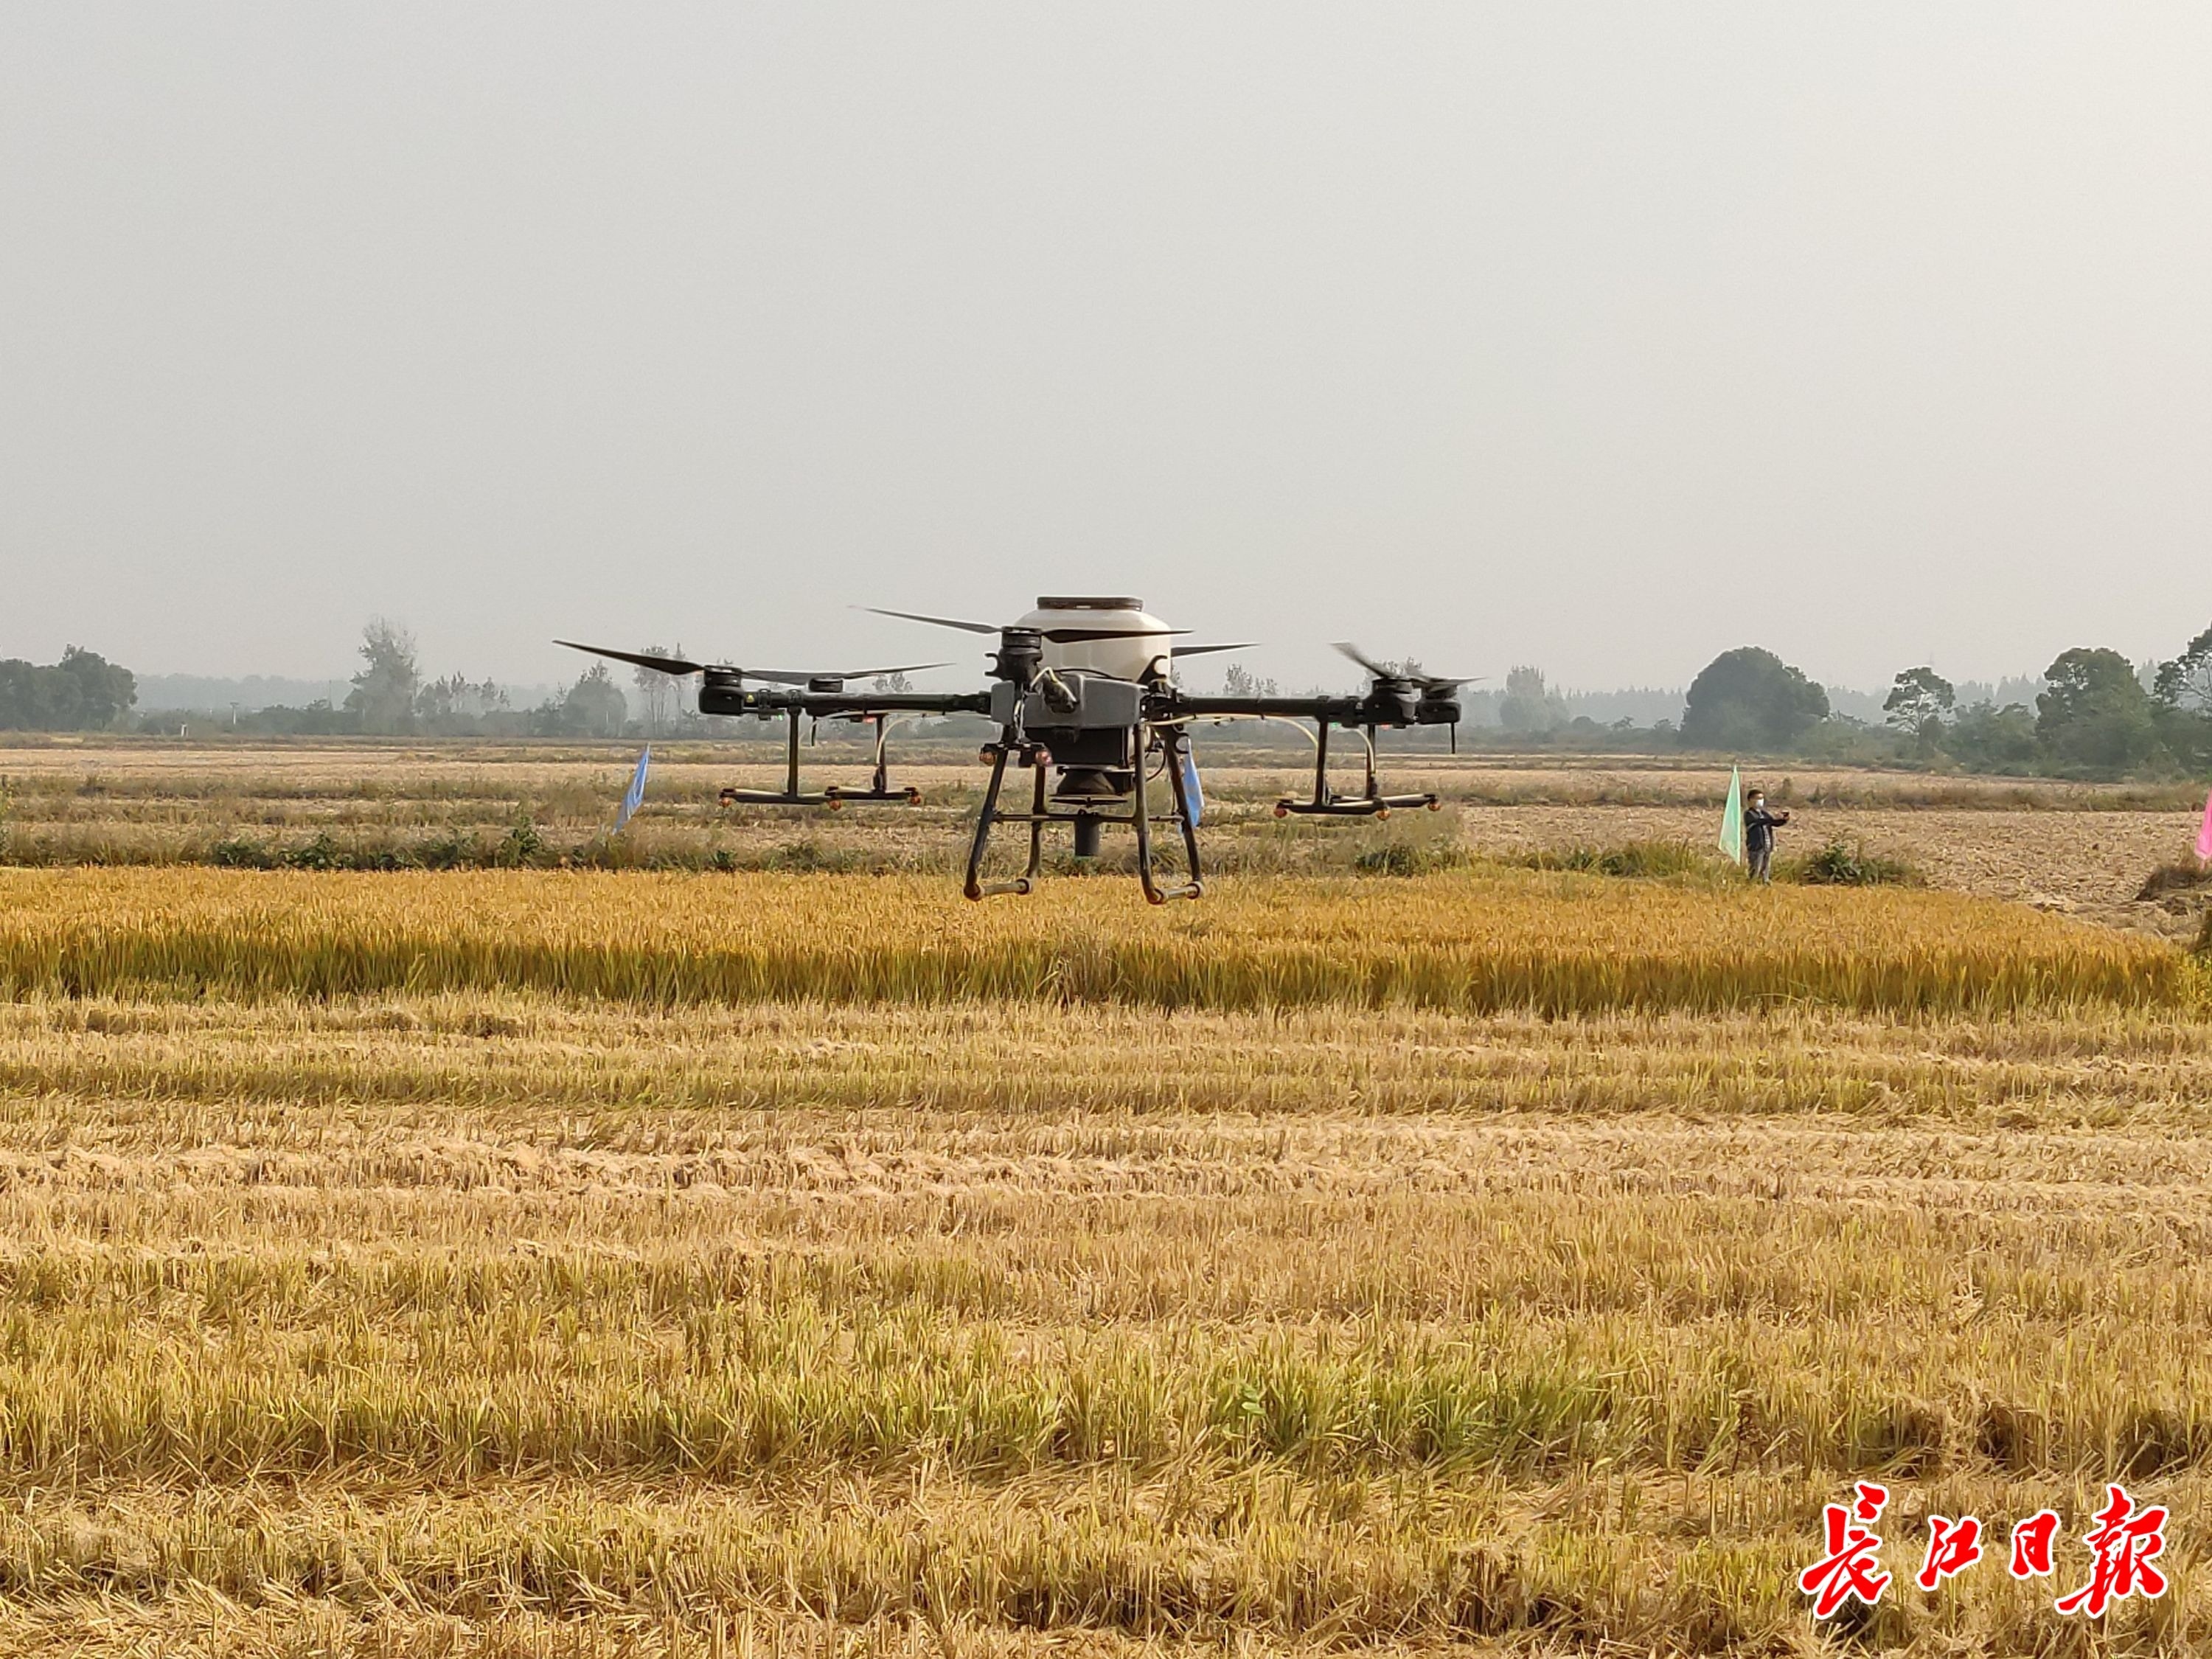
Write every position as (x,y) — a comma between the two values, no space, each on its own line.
(2076,848)
(582,1261)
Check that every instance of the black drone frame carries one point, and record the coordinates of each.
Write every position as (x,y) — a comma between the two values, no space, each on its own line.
(1108,738)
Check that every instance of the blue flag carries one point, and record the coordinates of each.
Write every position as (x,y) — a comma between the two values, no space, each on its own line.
(636,797)
(1193,795)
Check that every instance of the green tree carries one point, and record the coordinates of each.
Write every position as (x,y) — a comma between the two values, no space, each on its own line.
(1528,705)
(35,699)
(594,706)
(455,703)
(1920,701)
(2094,715)
(1750,699)
(2183,694)
(1988,738)
(105,691)
(2186,682)
(384,692)
(1918,698)
(82,692)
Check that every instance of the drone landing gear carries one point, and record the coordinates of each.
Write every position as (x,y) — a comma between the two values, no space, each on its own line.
(832,796)
(1327,803)
(1088,822)
(1355,806)
(1173,747)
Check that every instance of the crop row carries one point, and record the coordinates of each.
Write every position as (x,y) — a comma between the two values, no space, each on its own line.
(1471,941)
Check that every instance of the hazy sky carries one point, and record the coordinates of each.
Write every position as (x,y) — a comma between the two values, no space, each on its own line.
(1600,336)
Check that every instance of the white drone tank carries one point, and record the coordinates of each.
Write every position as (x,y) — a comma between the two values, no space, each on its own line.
(1124,658)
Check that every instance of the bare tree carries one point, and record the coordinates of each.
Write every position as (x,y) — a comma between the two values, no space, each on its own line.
(656,689)
(684,689)
(2186,682)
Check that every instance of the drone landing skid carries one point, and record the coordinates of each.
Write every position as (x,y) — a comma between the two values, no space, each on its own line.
(830,795)
(1326,802)
(833,795)
(1354,806)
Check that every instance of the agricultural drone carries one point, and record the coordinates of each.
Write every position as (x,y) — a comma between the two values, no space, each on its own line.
(1082,694)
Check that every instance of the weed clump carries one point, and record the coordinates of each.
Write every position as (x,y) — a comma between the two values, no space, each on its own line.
(1414,844)
(1842,864)
(239,853)
(522,845)
(1399,858)
(807,856)
(2185,877)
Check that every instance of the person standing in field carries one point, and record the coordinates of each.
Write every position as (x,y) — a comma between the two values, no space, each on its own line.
(1759,827)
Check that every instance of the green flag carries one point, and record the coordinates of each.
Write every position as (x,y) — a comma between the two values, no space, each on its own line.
(1732,817)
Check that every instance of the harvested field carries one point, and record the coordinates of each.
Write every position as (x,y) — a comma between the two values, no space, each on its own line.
(568,1261)
(473,1322)
(2080,849)
(2077,863)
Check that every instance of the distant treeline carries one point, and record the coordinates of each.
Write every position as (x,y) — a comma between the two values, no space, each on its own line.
(2091,713)
(217,694)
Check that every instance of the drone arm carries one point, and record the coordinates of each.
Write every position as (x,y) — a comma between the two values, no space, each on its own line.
(1298,709)
(830,704)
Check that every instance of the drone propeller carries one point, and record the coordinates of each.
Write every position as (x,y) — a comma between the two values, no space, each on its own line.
(785,676)
(940,622)
(773,676)
(1428,683)
(642,658)
(1057,636)
(1201,650)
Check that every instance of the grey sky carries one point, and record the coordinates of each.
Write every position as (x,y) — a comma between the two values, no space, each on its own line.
(1602,337)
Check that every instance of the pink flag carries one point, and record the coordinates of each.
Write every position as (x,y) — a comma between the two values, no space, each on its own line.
(2204,835)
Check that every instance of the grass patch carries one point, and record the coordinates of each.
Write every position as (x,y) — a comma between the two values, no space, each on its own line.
(1649,859)
(1399,858)
(1848,863)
